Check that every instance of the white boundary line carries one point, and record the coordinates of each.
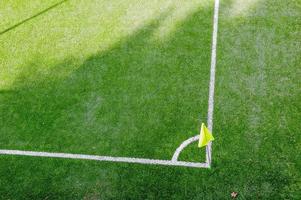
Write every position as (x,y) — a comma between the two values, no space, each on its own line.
(211,93)
(174,161)
(104,158)
(212,80)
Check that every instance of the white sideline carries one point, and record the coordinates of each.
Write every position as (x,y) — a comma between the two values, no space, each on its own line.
(211,93)
(212,80)
(104,158)
(174,161)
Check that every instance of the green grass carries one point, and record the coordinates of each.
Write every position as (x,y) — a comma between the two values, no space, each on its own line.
(130,78)
(122,100)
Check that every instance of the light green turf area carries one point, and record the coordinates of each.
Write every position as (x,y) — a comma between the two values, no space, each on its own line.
(107,78)
(130,78)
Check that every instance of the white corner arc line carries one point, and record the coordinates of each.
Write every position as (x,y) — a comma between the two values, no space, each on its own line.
(183,146)
(211,92)
(104,158)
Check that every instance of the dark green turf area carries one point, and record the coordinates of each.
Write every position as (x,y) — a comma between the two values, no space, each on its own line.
(130,78)
(140,97)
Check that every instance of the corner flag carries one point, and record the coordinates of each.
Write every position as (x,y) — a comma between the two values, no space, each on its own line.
(205,136)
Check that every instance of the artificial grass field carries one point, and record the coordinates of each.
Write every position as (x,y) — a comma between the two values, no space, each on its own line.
(130,78)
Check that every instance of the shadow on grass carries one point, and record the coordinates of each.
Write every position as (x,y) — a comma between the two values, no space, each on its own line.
(141,98)
(32,17)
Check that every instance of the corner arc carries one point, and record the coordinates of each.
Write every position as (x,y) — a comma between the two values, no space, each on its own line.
(183,146)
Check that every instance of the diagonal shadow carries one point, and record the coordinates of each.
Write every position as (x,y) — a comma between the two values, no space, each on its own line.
(117,97)
(32,17)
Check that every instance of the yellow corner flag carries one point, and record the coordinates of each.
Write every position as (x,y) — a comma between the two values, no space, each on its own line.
(205,136)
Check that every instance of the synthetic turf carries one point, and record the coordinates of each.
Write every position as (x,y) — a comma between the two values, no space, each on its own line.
(52,63)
